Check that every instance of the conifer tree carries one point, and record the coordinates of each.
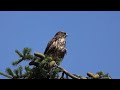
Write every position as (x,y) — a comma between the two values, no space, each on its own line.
(41,67)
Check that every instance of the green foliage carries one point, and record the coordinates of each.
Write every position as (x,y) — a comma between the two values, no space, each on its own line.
(20,70)
(5,75)
(43,67)
(16,72)
(25,55)
(17,62)
(100,73)
(20,55)
(9,71)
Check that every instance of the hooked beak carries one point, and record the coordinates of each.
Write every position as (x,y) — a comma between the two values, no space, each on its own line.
(66,35)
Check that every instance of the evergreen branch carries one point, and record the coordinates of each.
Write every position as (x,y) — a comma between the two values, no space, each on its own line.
(18,53)
(8,76)
(9,71)
(19,74)
(16,72)
(20,77)
(28,57)
(46,68)
(100,73)
(20,70)
(40,55)
(26,51)
(67,73)
(27,69)
(17,62)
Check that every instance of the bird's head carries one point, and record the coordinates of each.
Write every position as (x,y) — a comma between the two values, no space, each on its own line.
(61,34)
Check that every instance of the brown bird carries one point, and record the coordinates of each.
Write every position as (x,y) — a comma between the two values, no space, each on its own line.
(56,48)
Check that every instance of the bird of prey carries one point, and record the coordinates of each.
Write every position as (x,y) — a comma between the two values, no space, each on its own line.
(56,47)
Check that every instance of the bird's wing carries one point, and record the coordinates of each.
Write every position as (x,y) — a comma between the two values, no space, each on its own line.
(49,45)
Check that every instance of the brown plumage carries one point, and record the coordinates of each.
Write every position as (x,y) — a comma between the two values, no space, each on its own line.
(56,48)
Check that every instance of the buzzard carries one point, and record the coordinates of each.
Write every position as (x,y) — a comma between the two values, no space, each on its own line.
(56,47)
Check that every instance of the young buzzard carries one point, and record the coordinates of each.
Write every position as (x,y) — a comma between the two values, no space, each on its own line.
(56,48)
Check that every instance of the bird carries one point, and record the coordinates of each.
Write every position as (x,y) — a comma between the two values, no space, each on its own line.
(55,51)
(56,47)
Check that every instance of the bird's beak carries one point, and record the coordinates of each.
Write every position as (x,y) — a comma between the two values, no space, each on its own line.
(66,35)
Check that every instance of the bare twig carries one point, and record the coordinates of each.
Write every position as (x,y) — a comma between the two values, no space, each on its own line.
(62,75)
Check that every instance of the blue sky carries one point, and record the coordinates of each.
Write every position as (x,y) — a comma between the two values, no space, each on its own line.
(93,43)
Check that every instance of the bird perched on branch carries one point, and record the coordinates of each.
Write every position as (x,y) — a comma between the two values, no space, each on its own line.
(56,47)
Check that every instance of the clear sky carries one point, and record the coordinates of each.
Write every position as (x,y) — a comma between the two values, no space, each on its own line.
(93,43)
